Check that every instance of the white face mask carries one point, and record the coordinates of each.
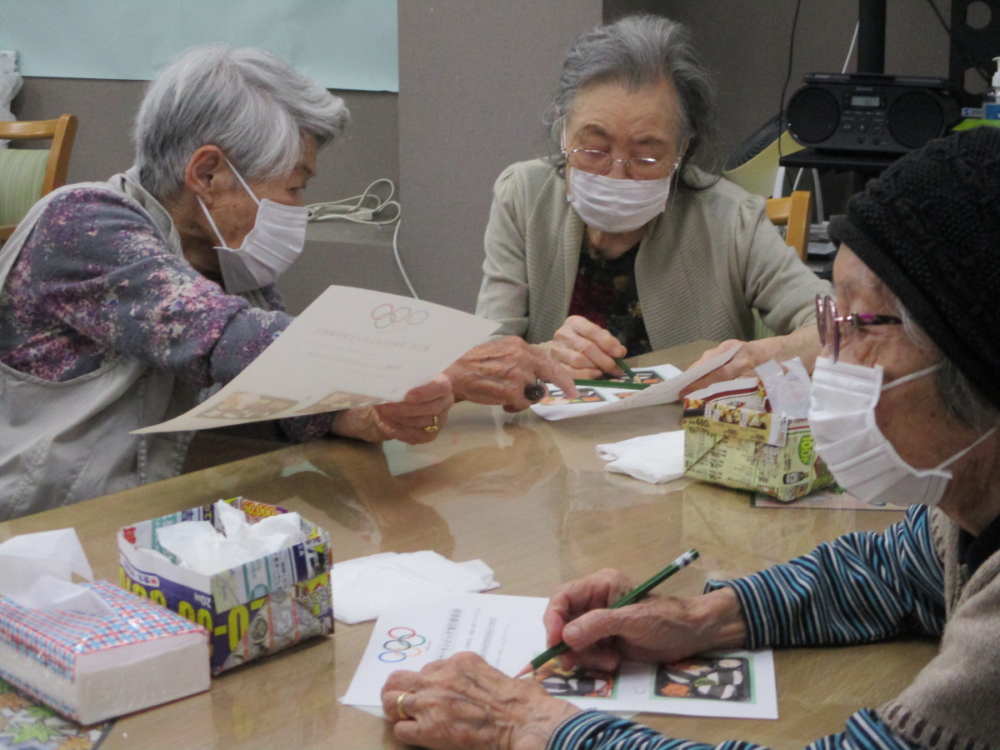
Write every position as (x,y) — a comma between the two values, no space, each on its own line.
(613,205)
(276,240)
(862,460)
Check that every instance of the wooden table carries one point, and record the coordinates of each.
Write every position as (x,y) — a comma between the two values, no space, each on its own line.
(530,498)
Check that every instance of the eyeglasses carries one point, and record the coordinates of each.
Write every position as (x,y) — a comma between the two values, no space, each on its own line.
(601,162)
(829,324)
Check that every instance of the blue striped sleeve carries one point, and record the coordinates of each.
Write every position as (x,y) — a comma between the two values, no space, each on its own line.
(861,588)
(593,730)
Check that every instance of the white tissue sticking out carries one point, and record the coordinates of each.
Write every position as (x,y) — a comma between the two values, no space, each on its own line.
(366,586)
(787,389)
(36,571)
(201,548)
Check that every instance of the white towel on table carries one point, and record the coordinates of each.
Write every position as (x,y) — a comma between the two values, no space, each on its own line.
(651,458)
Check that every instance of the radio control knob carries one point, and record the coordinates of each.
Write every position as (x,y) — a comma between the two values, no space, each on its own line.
(863,128)
(861,141)
(848,127)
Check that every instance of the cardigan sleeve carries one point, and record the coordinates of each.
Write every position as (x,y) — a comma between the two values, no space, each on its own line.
(776,283)
(861,588)
(503,296)
(593,730)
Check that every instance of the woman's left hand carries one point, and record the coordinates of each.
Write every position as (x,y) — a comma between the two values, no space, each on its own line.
(424,407)
(463,702)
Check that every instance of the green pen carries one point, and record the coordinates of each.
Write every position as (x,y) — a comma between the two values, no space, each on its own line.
(625,368)
(631,597)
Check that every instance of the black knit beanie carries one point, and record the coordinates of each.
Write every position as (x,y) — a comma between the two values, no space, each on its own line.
(929,227)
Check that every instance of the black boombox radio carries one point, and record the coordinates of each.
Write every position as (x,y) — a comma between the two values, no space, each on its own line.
(871,113)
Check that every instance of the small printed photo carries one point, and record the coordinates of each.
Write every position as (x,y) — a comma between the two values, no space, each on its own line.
(243,405)
(626,394)
(575,683)
(646,377)
(336,401)
(725,678)
(558,398)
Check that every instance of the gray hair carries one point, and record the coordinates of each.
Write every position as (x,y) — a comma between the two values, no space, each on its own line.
(252,105)
(963,400)
(638,51)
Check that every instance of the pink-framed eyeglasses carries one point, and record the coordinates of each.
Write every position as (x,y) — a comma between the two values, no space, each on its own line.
(829,324)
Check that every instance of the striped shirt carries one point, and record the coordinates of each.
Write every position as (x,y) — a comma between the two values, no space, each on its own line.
(860,588)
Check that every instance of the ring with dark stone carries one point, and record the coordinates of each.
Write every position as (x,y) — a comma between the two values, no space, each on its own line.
(534,391)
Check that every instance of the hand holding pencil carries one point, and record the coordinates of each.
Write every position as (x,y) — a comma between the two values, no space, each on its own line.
(658,628)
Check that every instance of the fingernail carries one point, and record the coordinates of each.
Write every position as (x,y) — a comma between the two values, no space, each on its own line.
(571,633)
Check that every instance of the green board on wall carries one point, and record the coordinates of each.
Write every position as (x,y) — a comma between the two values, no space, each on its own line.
(343,44)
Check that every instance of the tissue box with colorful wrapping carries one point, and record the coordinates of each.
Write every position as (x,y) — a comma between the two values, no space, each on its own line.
(251,610)
(730,438)
(93,667)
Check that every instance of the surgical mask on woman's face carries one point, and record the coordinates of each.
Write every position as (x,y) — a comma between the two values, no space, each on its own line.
(276,240)
(847,438)
(613,205)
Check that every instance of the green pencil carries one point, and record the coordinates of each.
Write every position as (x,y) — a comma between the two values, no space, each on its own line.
(631,597)
(625,368)
(612,384)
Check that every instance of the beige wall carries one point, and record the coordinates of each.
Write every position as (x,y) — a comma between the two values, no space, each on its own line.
(474,81)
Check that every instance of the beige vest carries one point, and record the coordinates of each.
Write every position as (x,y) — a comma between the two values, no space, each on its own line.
(69,441)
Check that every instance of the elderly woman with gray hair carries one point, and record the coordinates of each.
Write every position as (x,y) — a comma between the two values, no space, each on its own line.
(905,410)
(120,301)
(618,244)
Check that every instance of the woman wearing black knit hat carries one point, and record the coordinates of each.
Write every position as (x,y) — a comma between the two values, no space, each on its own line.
(905,408)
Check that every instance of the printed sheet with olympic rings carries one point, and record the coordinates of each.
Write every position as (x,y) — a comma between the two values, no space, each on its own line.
(349,348)
(507,632)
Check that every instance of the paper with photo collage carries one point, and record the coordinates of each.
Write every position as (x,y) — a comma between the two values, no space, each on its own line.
(349,348)
(507,632)
(665,385)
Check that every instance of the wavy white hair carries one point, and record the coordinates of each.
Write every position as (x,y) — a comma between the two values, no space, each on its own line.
(251,104)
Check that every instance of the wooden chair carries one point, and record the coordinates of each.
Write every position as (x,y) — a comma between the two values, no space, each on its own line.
(61,132)
(795,214)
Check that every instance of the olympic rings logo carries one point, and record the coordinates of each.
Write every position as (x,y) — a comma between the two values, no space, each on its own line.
(403,643)
(397,318)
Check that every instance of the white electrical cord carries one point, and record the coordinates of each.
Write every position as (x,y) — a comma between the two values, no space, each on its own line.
(363,209)
(854,40)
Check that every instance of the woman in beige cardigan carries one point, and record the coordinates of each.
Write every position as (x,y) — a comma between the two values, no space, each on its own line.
(618,244)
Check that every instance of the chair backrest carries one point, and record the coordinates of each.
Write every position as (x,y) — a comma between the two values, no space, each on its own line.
(795,214)
(24,164)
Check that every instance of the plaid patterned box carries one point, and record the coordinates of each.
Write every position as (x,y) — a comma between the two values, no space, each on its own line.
(251,610)
(90,668)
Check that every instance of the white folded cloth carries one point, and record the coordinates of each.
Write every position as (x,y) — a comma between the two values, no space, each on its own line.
(651,458)
(365,586)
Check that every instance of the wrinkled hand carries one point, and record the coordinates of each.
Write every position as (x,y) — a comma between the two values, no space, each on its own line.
(656,629)
(585,349)
(497,372)
(803,343)
(463,702)
(404,420)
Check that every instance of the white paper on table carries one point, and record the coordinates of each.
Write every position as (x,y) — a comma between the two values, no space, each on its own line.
(507,632)
(662,393)
(349,348)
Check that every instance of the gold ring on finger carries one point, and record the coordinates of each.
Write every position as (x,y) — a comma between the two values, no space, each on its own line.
(433,426)
(399,706)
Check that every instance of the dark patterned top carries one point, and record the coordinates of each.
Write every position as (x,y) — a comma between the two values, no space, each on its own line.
(95,278)
(605,294)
